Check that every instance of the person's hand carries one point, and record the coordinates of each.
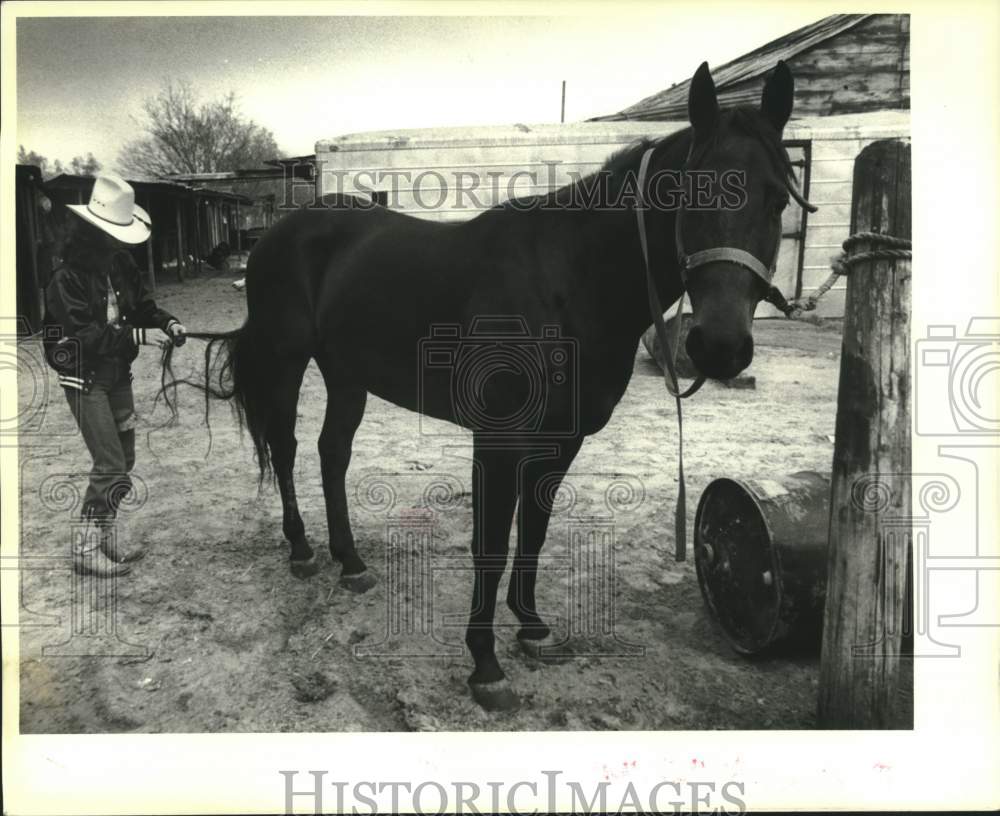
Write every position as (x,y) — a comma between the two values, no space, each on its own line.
(178,334)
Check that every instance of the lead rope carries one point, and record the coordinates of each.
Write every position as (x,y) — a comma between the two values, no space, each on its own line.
(670,373)
(884,247)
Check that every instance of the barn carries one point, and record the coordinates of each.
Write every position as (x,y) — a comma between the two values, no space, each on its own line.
(852,88)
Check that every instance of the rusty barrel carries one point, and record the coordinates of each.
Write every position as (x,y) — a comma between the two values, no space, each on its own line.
(761,558)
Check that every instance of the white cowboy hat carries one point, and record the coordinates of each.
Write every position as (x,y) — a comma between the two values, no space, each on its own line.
(112,208)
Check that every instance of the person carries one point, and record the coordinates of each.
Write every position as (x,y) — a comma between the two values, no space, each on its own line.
(98,311)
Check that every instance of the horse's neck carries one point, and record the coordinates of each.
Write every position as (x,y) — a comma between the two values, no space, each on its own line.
(607,245)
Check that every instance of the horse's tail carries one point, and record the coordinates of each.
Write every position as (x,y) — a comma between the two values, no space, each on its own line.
(236,371)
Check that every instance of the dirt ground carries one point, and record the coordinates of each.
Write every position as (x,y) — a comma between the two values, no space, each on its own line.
(212,633)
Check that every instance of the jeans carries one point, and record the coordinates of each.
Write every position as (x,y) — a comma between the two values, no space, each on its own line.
(106,419)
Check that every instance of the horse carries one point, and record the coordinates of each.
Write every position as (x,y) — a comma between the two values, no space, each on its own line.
(556,281)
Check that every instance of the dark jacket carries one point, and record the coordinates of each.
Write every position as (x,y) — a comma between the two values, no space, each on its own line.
(79,342)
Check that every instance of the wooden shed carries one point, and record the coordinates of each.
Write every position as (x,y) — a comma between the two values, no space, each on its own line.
(451,174)
(844,63)
(260,192)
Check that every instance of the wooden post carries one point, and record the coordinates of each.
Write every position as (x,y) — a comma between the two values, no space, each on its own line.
(239,242)
(865,679)
(180,241)
(150,274)
(197,231)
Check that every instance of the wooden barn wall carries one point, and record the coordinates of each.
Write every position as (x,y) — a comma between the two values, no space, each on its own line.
(866,68)
(863,69)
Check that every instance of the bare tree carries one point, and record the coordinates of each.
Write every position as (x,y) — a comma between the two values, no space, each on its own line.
(84,166)
(41,162)
(185,136)
(79,165)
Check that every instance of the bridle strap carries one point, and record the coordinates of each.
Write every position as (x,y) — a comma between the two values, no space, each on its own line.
(655,307)
(670,371)
(732,255)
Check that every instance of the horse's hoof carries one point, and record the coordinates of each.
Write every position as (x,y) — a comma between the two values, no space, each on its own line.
(359,583)
(498,696)
(546,649)
(304,569)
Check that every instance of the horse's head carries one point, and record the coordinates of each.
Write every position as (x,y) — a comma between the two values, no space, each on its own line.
(739,181)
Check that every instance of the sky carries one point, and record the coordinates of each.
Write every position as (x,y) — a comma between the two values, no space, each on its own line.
(81,81)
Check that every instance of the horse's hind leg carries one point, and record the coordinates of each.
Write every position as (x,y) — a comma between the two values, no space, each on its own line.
(282,445)
(345,407)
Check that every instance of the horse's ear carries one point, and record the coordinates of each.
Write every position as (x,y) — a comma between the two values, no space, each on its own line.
(776,101)
(703,105)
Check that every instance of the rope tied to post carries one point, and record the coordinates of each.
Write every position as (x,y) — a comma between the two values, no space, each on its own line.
(883,248)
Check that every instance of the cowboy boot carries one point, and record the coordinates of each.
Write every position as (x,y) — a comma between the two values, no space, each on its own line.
(95,562)
(114,550)
(89,558)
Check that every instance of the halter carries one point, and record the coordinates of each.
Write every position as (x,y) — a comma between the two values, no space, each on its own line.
(732,255)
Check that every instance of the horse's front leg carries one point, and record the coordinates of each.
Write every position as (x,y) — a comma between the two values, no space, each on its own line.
(540,482)
(494,494)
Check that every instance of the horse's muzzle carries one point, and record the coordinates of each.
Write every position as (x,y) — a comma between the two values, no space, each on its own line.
(720,358)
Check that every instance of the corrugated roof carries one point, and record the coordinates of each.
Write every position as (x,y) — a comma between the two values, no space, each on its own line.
(72,180)
(756,63)
(291,160)
(69,180)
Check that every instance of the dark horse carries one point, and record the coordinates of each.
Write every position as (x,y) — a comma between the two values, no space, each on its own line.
(364,291)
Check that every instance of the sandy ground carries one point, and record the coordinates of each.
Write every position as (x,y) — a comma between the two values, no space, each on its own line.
(212,633)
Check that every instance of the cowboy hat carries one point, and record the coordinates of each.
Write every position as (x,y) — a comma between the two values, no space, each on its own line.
(112,208)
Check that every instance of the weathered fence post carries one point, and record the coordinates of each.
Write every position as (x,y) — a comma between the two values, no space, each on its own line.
(180,241)
(864,677)
(150,273)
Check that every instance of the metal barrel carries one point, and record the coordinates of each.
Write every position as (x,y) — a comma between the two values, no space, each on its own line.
(761,559)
